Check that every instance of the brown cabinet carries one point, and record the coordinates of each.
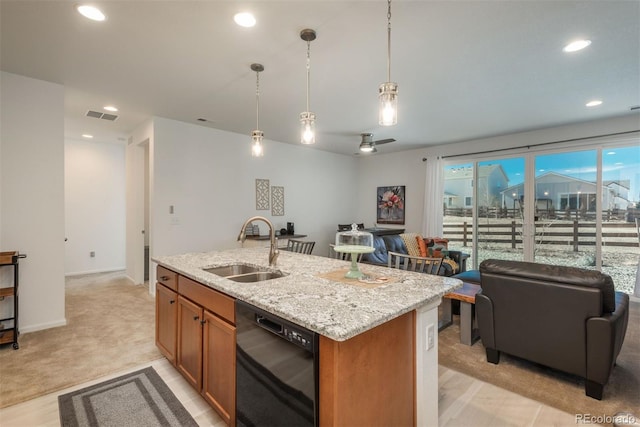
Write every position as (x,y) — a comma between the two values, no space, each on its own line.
(189,360)
(166,321)
(197,328)
(219,366)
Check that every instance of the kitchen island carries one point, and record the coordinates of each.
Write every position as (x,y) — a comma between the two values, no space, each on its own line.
(368,331)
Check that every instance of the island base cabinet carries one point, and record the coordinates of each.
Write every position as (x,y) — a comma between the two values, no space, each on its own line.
(196,324)
(219,373)
(189,360)
(368,380)
(166,321)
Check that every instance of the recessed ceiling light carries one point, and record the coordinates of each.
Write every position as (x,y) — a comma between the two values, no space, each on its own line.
(593,103)
(576,45)
(91,12)
(86,135)
(245,19)
(110,108)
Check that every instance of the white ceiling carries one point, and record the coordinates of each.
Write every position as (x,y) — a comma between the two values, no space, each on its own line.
(465,69)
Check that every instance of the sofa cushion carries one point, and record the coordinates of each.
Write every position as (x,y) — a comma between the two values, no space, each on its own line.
(395,244)
(471,276)
(379,255)
(556,274)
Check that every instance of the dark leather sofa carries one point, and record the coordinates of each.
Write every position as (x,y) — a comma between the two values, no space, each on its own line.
(394,243)
(566,318)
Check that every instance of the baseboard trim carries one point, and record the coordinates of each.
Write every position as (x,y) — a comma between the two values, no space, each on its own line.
(41,326)
(106,270)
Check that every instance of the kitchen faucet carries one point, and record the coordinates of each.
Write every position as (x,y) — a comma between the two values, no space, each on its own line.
(273,251)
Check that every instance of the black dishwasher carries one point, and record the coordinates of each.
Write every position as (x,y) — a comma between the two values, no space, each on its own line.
(276,371)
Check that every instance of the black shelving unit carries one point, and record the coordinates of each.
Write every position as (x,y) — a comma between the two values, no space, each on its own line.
(9,325)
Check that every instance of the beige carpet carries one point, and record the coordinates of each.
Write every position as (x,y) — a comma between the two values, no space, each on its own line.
(556,389)
(110,327)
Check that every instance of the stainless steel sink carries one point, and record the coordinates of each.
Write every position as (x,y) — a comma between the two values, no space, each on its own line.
(244,273)
(259,276)
(233,270)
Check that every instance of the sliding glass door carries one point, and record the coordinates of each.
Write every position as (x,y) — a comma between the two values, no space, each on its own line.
(501,199)
(458,202)
(621,216)
(565,209)
(576,207)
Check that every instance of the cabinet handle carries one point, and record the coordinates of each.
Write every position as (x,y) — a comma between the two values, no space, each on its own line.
(164,278)
(172,301)
(202,322)
(196,317)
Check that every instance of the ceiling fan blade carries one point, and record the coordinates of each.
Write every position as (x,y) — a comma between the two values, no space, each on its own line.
(384,141)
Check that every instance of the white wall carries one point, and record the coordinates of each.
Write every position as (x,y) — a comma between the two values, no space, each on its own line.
(407,167)
(403,168)
(32,194)
(209,177)
(94,207)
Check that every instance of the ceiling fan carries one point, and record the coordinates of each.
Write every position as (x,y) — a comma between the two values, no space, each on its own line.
(368,145)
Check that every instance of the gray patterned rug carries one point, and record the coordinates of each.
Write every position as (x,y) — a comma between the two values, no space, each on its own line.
(137,399)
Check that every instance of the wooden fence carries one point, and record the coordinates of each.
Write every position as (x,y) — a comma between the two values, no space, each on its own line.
(573,214)
(573,234)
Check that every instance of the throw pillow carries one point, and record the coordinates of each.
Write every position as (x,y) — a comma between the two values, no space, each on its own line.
(410,242)
(452,263)
(422,246)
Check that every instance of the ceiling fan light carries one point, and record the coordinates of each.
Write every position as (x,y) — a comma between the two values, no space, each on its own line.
(366,147)
(388,97)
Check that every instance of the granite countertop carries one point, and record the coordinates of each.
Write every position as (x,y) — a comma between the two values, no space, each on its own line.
(331,308)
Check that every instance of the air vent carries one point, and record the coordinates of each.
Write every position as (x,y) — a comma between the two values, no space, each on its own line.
(103,116)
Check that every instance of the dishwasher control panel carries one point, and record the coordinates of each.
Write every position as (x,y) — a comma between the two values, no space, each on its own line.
(298,337)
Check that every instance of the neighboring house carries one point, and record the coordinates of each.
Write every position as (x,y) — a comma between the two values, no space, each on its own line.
(555,192)
(459,186)
(620,191)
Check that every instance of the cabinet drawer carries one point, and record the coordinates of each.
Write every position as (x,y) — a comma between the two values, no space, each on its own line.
(214,301)
(167,278)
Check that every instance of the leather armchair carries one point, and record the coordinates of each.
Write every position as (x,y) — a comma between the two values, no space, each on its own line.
(566,318)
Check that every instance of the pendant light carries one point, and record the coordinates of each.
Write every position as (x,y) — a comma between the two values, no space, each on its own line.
(257,135)
(388,91)
(307,118)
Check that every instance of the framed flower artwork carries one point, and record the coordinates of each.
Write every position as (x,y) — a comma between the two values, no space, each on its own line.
(390,205)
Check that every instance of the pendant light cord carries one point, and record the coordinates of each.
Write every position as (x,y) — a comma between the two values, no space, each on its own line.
(257,100)
(388,40)
(308,70)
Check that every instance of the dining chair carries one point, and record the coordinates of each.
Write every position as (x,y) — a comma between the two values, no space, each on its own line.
(414,263)
(341,255)
(300,246)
